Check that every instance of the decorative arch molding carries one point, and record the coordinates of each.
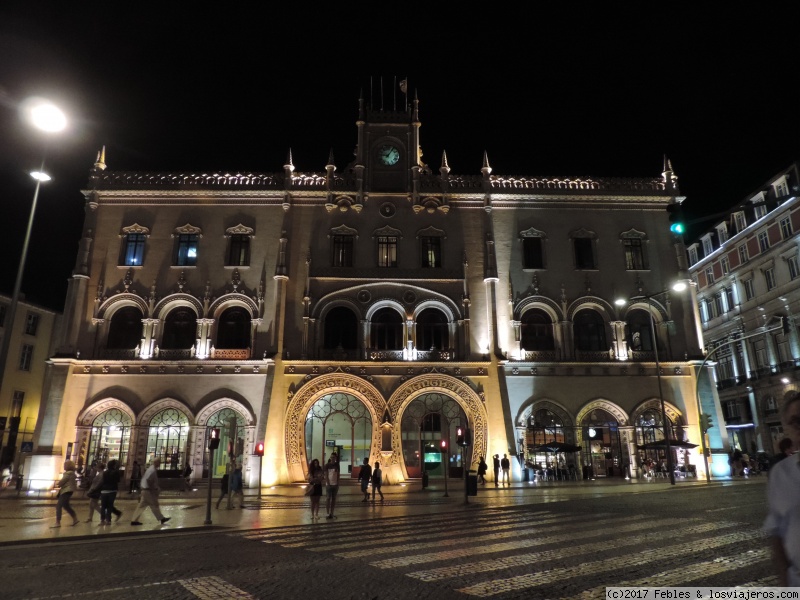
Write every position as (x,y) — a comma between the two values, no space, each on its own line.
(134,229)
(541,302)
(592,302)
(223,403)
(165,305)
(583,233)
(610,407)
(633,234)
(337,302)
(456,389)
(431,231)
(343,230)
(532,406)
(233,299)
(436,304)
(659,312)
(673,414)
(113,304)
(187,229)
(159,405)
(87,417)
(380,290)
(387,231)
(239,229)
(304,399)
(532,233)
(386,303)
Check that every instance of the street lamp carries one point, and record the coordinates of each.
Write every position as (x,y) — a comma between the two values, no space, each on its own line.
(46,117)
(678,287)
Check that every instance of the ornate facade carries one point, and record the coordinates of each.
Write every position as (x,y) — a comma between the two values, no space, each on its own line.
(374,311)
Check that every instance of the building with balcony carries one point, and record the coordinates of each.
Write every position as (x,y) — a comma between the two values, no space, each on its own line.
(373,309)
(748,279)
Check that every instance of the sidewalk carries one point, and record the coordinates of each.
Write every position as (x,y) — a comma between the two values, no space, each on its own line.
(26,520)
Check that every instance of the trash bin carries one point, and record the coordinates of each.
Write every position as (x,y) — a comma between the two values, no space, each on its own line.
(472,485)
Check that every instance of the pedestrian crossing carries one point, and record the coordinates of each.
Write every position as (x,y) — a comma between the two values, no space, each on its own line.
(513,552)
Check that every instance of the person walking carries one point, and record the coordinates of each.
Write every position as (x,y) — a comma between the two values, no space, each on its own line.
(332,483)
(223,488)
(67,486)
(150,491)
(482,468)
(496,468)
(187,474)
(316,477)
(377,480)
(505,464)
(136,475)
(93,493)
(237,487)
(108,492)
(364,476)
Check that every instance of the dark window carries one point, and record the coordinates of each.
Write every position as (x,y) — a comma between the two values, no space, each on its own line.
(125,330)
(133,249)
(26,357)
(432,330)
(343,251)
(186,250)
(536,331)
(430,252)
(590,332)
(640,335)
(387,251)
(341,329)
(532,253)
(634,255)
(584,253)
(31,324)
(239,251)
(180,329)
(387,330)
(233,329)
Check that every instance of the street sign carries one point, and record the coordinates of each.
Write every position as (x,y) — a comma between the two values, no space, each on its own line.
(26,447)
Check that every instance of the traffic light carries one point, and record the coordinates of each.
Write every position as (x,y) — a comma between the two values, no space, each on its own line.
(676,222)
(260,449)
(444,444)
(460,436)
(213,439)
(705,422)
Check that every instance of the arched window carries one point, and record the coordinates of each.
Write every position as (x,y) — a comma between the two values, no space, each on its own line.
(432,330)
(180,329)
(387,330)
(640,336)
(536,330)
(110,438)
(221,420)
(341,329)
(167,437)
(233,330)
(590,332)
(125,330)
(339,422)
(427,420)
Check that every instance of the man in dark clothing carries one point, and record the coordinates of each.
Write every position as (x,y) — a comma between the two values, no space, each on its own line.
(505,464)
(496,467)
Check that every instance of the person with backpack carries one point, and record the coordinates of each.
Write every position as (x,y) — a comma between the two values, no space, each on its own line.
(377,480)
(364,476)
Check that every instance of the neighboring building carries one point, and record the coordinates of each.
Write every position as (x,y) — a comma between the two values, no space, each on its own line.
(32,343)
(748,279)
(373,311)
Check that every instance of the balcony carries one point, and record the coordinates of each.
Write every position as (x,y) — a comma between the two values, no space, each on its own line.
(540,355)
(118,353)
(175,354)
(435,355)
(385,355)
(230,353)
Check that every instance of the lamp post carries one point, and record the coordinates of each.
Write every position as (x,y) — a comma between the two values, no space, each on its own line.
(678,287)
(48,118)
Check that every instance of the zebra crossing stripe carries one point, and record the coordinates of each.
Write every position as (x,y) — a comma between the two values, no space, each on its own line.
(719,565)
(488,566)
(213,588)
(688,574)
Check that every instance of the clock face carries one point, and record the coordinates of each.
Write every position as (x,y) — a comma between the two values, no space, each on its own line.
(389,155)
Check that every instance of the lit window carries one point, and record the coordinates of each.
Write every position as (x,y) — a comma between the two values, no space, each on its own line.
(763,241)
(133,249)
(26,357)
(725,264)
(342,250)
(239,250)
(760,210)
(786,228)
(430,252)
(743,257)
(781,188)
(769,276)
(387,251)
(31,324)
(186,249)
(634,254)
(749,290)
(794,271)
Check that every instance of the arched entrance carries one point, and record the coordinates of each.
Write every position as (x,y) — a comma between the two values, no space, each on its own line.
(167,437)
(339,422)
(427,421)
(221,419)
(604,450)
(110,437)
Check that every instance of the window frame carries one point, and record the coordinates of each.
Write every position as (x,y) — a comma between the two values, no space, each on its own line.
(26,357)
(740,221)
(749,289)
(426,245)
(387,251)
(785,225)
(725,265)
(185,244)
(769,278)
(744,255)
(32,323)
(763,241)
(239,250)
(793,266)
(342,250)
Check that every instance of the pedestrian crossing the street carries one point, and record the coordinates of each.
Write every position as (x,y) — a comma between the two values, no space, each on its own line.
(513,552)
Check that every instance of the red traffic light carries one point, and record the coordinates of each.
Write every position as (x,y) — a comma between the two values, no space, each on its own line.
(260,449)
(213,438)
(460,436)
(444,443)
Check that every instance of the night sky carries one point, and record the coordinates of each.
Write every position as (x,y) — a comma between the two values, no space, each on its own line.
(582,93)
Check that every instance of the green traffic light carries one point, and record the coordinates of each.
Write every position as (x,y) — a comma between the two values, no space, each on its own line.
(676,228)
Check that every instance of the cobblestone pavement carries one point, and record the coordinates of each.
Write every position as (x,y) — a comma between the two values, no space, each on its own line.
(554,543)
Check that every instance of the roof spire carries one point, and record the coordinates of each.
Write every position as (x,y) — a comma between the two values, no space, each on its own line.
(487,169)
(100,163)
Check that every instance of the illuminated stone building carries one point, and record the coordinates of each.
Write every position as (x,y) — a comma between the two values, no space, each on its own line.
(374,308)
